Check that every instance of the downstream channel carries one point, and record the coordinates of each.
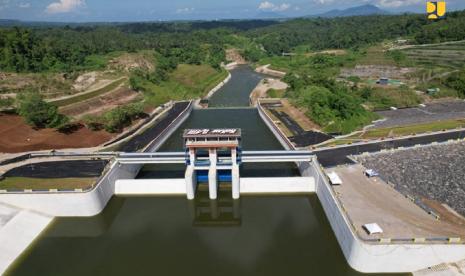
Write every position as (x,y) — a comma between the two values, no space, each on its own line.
(279,235)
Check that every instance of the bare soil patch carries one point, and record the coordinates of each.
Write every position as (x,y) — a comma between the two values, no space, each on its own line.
(17,136)
(130,61)
(378,71)
(233,55)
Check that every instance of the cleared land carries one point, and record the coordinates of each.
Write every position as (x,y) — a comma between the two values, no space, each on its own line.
(431,172)
(17,136)
(373,201)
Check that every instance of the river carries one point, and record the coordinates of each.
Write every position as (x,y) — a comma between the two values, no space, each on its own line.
(278,235)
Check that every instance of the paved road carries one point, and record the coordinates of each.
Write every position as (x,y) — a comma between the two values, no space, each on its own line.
(142,140)
(338,156)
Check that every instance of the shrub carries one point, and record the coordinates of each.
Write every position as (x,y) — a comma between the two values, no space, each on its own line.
(38,112)
(121,117)
(92,122)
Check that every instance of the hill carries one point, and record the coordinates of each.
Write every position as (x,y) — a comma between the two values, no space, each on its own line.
(354,11)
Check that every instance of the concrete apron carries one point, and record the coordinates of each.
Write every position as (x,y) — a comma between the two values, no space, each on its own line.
(18,229)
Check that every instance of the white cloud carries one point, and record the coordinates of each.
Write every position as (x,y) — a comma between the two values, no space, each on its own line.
(185,10)
(268,6)
(64,6)
(24,5)
(397,3)
(323,2)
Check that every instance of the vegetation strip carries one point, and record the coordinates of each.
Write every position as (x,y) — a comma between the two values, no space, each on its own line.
(90,95)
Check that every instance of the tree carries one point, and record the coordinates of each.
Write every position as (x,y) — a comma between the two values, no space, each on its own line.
(38,112)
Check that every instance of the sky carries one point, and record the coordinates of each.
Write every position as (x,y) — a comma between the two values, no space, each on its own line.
(154,10)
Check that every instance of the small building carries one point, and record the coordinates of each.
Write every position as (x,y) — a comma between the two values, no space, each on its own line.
(372,228)
(334,178)
(432,91)
(371,173)
(383,81)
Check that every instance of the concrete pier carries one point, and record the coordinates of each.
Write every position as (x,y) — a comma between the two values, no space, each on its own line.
(191,182)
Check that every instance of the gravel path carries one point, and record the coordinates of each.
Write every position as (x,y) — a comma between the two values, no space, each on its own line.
(434,172)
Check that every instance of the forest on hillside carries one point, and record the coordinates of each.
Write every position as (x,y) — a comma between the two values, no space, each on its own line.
(79,48)
(37,49)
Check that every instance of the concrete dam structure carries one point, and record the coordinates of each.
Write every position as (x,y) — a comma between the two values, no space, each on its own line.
(212,156)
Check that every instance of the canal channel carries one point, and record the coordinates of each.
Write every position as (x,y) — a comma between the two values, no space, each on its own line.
(278,235)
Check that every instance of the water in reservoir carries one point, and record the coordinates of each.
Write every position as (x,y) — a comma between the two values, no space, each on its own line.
(279,235)
(171,236)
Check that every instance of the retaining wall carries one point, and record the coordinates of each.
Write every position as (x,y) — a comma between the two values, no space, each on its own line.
(71,204)
(375,258)
(219,86)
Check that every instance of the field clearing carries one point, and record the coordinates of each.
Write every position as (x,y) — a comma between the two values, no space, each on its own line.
(442,55)
(24,183)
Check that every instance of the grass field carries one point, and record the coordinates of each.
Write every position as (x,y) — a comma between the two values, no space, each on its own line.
(413,129)
(23,183)
(186,82)
(273,93)
(400,97)
(376,55)
(90,95)
(399,131)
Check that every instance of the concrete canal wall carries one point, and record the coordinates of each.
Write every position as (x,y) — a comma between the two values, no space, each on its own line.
(255,185)
(219,86)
